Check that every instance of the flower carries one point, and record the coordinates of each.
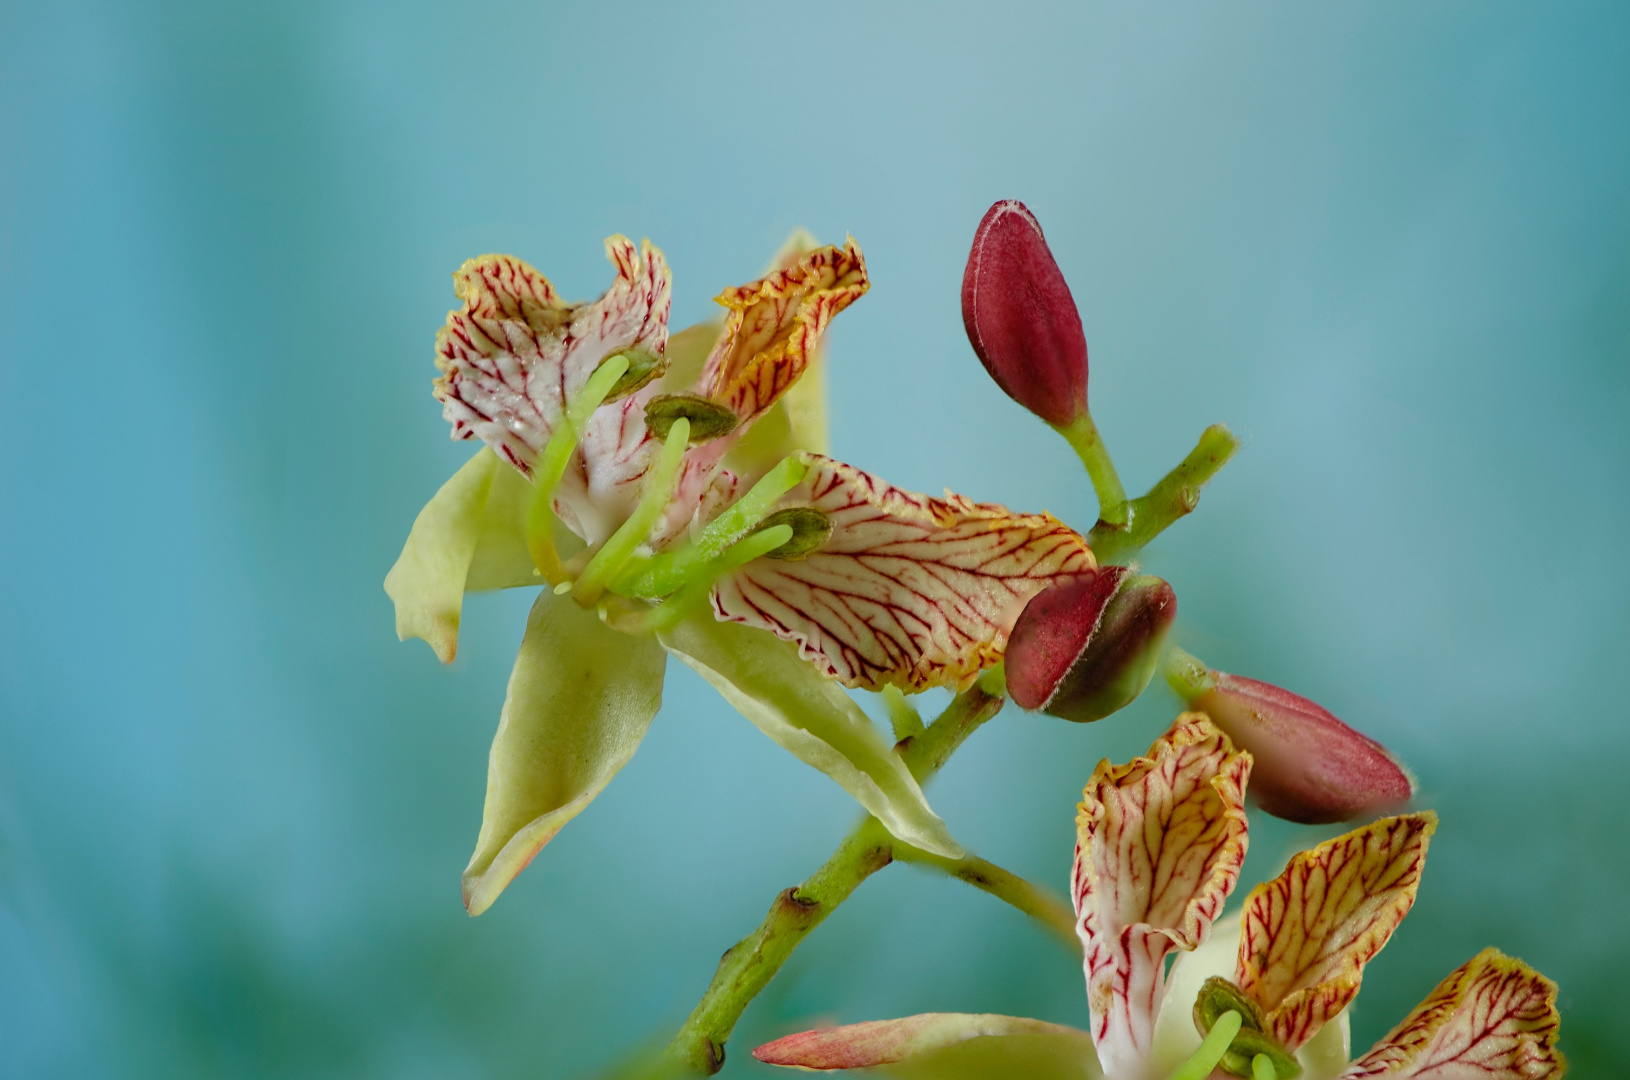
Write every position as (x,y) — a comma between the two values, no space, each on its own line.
(673,496)
(1160,843)
(1310,767)
(1088,647)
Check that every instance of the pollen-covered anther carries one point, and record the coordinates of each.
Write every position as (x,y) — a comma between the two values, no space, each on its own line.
(643,366)
(708,419)
(810,529)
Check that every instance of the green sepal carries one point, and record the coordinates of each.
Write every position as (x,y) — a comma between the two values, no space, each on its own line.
(811,716)
(470,537)
(580,700)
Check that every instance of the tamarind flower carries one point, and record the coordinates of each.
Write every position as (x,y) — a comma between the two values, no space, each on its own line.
(673,497)
(1160,843)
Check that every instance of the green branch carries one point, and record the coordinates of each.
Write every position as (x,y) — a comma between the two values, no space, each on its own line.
(1177,494)
(753,961)
(1006,886)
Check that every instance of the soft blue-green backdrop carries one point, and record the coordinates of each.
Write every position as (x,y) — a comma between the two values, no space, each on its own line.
(1389,243)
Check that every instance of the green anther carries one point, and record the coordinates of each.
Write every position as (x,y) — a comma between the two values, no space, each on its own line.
(1248,1046)
(668,571)
(654,498)
(708,419)
(1212,1049)
(1219,997)
(551,465)
(1262,1068)
(696,590)
(810,529)
(642,368)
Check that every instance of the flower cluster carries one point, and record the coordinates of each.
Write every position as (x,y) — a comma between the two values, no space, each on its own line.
(1160,842)
(671,495)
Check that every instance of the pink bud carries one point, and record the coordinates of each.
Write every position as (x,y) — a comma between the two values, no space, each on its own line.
(1087,647)
(1021,318)
(1310,767)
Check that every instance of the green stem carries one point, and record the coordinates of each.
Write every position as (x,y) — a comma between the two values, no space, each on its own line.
(1082,435)
(754,960)
(1006,886)
(1177,493)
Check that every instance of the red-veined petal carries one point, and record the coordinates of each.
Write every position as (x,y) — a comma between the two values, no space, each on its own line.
(1159,845)
(775,324)
(515,352)
(1309,932)
(907,589)
(1493,1018)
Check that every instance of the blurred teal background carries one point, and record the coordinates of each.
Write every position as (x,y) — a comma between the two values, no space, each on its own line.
(1388,243)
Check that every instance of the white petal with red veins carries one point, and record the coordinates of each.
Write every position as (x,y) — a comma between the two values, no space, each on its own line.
(1159,845)
(908,589)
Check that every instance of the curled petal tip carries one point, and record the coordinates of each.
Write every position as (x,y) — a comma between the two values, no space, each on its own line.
(1020,316)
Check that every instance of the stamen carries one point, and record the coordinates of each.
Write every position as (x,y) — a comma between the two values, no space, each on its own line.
(1212,1049)
(1262,1068)
(550,466)
(696,590)
(654,498)
(670,570)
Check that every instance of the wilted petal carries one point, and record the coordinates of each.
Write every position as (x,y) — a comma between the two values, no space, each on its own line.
(513,355)
(907,589)
(775,324)
(463,539)
(789,701)
(884,1042)
(1309,932)
(580,700)
(1493,1018)
(1159,844)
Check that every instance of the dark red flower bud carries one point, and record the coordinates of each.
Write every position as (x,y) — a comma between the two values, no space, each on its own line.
(1087,647)
(1021,317)
(1310,767)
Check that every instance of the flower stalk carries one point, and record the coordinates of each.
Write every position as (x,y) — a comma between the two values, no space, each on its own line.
(750,964)
(1176,494)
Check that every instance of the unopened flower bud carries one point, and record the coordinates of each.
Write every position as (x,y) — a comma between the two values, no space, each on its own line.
(1021,318)
(1087,647)
(1310,767)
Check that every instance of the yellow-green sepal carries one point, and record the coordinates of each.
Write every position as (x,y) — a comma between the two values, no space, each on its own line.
(580,700)
(811,716)
(470,536)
